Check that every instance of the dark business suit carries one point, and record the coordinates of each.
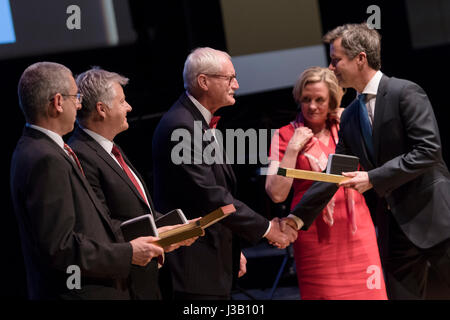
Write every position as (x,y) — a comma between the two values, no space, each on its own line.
(62,223)
(410,180)
(117,192)
(208,266)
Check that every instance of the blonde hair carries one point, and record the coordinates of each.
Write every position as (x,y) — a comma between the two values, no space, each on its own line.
(319,74)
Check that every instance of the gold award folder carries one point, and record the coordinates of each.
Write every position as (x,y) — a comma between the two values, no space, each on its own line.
(195,228)
(311,175)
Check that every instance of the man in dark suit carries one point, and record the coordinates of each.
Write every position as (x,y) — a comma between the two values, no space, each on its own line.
(64,228)
(391,127)
(103,116)
(206,269)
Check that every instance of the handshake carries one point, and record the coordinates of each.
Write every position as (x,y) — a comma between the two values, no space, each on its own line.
(282,232)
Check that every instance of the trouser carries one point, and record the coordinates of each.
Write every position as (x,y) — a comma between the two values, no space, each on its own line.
(412,272)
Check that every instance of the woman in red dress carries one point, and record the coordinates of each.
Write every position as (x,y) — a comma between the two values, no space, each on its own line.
(337,258)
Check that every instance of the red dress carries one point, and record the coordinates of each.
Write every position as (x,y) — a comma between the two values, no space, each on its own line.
(333,262)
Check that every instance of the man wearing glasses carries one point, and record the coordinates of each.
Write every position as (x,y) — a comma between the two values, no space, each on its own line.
(70,247)
(206,269)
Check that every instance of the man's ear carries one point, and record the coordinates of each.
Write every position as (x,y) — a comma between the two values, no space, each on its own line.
(101,109)
(362,59)
(55,105)
(202,82)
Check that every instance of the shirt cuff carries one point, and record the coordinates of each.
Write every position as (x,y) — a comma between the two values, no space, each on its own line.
(297,220)
(268,229)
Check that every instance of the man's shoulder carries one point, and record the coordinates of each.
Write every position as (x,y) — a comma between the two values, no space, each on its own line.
(397,84)
(79,143)
(35,147)
(177,116)
(37,155)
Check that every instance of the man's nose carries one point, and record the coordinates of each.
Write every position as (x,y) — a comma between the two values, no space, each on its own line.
(235,84)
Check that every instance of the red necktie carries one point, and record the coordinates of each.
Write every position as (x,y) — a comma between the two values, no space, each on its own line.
(213,122)
(116,152)
(74,156)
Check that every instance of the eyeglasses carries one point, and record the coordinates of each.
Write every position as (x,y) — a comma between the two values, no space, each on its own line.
(78,96)
(229,78)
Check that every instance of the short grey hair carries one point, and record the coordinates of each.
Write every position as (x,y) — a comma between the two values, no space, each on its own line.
(202,60)
(96,85)
(38,84)
(358,38)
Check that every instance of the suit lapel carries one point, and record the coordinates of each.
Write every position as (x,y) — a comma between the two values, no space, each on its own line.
(91,143)
(100,208)
(147,193)
(188,104)
(380,105)
(128,181)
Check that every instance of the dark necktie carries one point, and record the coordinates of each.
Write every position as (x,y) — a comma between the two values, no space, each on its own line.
(116,152)
(74,157)
(366,128)
(213,122)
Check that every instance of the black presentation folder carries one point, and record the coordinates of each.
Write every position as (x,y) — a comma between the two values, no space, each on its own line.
(145,225)
(338,163)
(171,218)
(141,226)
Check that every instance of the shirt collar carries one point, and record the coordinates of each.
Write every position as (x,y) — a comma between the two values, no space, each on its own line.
(372,87)
(105,143)
(205,112)
(53,135)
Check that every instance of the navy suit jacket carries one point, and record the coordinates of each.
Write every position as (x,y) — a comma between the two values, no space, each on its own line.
(408,173)
(62,223)
(206,267)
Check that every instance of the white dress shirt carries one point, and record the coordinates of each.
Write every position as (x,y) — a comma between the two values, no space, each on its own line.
(371,90)
(205,112)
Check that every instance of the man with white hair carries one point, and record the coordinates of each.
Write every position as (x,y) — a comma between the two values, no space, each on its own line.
(206,269)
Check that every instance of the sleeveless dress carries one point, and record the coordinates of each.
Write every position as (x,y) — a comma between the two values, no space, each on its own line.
(335,262)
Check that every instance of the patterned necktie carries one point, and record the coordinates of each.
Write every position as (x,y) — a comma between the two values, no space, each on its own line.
(366,128)
(116,152)
(74,157)
(213,122)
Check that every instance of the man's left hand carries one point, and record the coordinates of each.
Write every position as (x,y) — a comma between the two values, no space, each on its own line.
(242,266)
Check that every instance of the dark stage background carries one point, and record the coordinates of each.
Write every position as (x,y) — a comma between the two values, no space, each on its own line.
(166,31)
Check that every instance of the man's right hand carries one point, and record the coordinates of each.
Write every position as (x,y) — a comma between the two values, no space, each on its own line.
(144,250)
(275,236)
